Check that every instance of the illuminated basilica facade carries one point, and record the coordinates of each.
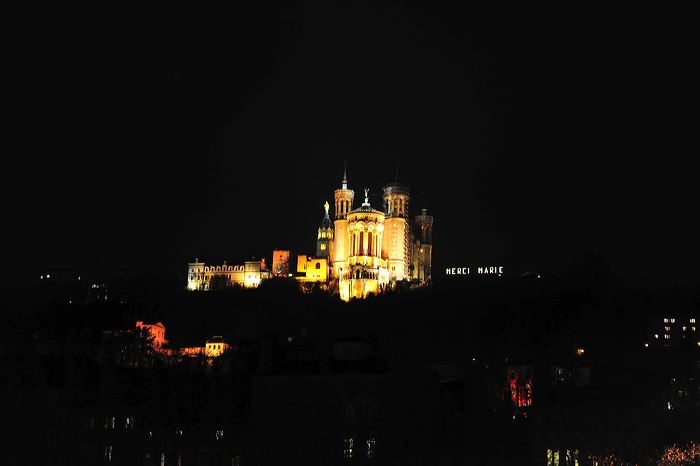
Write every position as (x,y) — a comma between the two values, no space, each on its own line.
(373,249)
(361,252)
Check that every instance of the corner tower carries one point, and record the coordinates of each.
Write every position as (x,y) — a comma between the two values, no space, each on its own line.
(396,244)
(343,205)
(423,253)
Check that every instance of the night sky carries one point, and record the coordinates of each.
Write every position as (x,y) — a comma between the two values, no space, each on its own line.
(143,135)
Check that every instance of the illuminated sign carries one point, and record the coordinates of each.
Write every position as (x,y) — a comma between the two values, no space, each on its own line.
(491,270)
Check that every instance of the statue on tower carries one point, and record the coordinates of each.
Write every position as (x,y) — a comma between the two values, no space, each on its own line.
(326,206)
(367,196)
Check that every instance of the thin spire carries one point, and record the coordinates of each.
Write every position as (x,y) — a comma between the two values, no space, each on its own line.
(345,176)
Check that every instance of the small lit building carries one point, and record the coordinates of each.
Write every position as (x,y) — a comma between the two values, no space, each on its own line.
(212,348)
(156,330)
(215,347)
(280,263)
(312,269)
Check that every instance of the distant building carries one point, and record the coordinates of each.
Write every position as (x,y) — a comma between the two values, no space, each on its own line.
(201,276)
(280,263)
(157,330)
(312,269)
(213,348)
(675,329)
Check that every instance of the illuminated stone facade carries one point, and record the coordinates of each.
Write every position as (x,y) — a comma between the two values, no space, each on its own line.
(313,269)
(157,331)
(365,270)
(374,249)
(201,276)
(280,263)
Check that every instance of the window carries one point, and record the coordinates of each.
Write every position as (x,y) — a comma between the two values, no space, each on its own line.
(219,434)
(673,321)
(692,321)
(666,321)
(371,447)
(108,453)
(348,445)
(318,265)
(667,336)
(323,246)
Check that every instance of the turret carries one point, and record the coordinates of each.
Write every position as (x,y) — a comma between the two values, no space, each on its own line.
(343,197)
(343,205)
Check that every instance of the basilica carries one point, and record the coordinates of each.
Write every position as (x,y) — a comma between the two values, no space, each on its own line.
(362,251)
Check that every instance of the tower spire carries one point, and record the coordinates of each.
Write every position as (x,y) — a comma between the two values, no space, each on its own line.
(345,176)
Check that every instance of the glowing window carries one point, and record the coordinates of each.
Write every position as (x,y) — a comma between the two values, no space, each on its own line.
(692,321)
(108,453)
(323,247)
(219,434)
(371,447)
(348,446)
(666,321)
(667,336)
(673,321)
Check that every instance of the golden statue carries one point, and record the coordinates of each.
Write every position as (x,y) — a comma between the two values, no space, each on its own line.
(326,206)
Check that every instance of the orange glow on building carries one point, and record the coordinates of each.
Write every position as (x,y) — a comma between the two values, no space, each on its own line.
(156,330)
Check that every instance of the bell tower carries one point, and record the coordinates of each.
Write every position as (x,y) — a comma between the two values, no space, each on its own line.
(324,240)
(396,244)
(343,205)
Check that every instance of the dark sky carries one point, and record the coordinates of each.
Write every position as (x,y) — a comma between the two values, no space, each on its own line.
(143,135)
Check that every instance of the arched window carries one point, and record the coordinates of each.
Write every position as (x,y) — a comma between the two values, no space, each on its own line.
(318,266)
(369,242)
(362,243)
